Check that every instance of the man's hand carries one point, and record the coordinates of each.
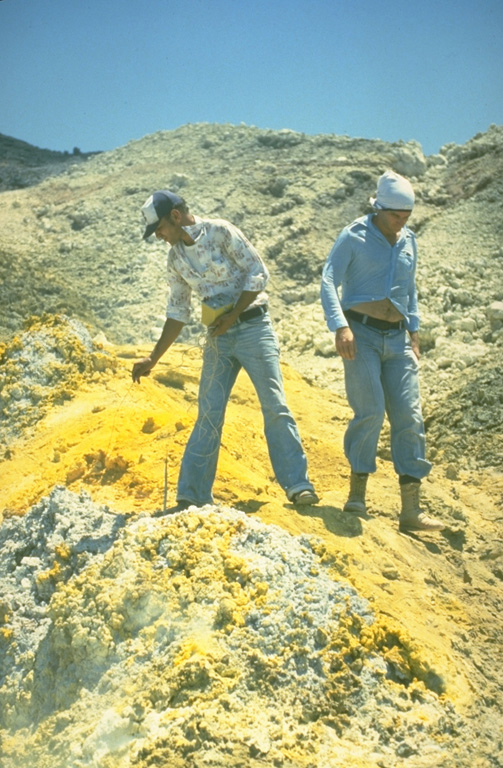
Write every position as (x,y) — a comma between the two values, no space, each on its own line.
(142,368)
(222,323)
(345,343)
(414,343)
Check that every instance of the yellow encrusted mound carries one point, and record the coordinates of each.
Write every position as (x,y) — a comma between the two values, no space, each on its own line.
(246,634)
(204,636)
(42,367)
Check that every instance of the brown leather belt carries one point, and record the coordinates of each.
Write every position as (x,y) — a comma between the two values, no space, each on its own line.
(374,322)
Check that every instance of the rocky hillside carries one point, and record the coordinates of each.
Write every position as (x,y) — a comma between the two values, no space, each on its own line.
(73,244)
(248,634)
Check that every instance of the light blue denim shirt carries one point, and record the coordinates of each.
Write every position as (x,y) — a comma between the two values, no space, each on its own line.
(368,268)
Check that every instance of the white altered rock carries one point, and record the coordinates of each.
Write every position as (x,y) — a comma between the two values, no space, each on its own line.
(495,315)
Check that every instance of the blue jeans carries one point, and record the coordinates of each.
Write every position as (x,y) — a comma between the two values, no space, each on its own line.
(252,345)
(383,378)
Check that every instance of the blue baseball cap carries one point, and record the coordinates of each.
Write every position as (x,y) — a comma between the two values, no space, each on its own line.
(158,205)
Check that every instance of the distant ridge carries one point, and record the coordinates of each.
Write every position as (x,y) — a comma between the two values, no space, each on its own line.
(23,165)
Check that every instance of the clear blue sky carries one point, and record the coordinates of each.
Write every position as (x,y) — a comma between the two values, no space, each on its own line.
(98,73)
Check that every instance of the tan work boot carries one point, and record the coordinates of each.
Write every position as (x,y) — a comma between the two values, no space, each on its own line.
(411,517)
(356,498)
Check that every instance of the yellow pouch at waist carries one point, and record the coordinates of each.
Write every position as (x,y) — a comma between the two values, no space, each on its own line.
(210,314)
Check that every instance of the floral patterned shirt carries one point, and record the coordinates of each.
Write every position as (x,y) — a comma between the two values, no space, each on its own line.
(220,265)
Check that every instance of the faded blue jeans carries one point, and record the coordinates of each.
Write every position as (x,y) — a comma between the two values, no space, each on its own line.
(252,345)
(384,378)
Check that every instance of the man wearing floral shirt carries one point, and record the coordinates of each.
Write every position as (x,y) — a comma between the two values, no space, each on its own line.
(215,260)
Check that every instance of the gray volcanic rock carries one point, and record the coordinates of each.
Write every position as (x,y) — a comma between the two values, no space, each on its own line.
(203,638)
(82,230)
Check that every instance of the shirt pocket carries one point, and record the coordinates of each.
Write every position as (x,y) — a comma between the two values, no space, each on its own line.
(404,265)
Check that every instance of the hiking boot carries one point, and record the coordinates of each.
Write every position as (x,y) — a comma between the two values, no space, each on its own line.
(356,498)
(411,516)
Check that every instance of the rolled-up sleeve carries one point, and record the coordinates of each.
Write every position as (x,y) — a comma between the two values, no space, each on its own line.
(179,295)
(242,252)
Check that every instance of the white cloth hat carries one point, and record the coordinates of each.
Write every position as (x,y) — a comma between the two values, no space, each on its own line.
(394,193)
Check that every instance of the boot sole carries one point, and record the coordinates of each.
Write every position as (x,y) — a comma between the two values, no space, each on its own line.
(305,499)
(355,507)
(405,528)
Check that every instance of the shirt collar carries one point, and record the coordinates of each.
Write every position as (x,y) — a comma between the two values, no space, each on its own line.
(195,230)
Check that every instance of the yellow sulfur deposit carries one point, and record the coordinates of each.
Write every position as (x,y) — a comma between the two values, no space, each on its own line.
(246,633)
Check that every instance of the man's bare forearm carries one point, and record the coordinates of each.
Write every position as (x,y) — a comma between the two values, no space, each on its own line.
(169,334)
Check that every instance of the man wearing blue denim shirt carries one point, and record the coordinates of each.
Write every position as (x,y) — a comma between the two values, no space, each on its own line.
(214,259)
(376,323)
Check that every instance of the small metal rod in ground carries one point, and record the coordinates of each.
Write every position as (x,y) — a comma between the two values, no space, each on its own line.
(165,484)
